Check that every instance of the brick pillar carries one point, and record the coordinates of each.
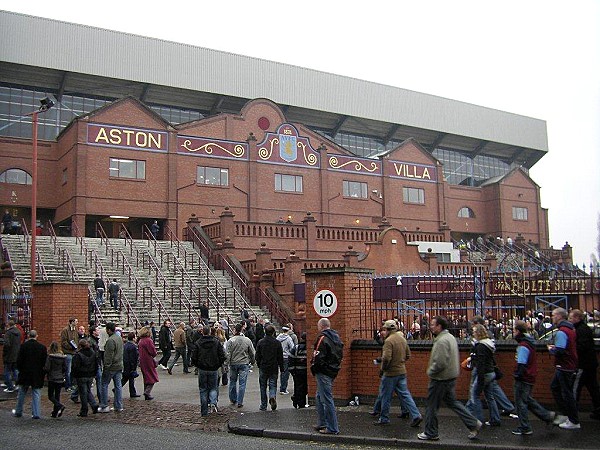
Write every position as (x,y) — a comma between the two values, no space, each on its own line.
(292,271)
(263,258)
(342,281)
(52,305)
(227,226)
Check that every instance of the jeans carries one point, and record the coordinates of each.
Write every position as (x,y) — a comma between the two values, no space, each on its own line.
(54,395)
(99,296)
(208,384)
(36,396)
(98,381)
(387,387)
(562,391)
(501,399)
(180,351)
(285,376)
(265,379)
(10,375)
(114,301)
(68,380)
(444,390)
(326,415)
(84,385)
(117,379)
(524,402)
(237,371)
(488,391)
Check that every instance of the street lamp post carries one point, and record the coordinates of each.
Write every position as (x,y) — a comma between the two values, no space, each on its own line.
(46,104)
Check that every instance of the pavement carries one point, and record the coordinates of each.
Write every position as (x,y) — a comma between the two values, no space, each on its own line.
(176,407)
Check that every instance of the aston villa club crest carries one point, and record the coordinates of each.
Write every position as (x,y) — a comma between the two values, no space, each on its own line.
(287,147)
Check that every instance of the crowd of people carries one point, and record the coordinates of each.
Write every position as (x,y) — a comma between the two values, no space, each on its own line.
(104,355)
(572,346)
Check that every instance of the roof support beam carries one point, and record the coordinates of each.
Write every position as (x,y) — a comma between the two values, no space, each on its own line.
(477,150)
(437,141)
(339,125)
(144,93)
(390,134)
(217,105)
(61,87)
(516,155)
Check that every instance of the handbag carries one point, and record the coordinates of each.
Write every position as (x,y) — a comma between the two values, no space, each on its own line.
(134,374)
(466,364)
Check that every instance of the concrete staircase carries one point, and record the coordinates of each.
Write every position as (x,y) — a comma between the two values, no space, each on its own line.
(169,273)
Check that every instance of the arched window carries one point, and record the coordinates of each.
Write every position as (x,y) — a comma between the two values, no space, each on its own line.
(466,212)
(15,176)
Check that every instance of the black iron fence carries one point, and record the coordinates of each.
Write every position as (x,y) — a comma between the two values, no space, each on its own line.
(500,297)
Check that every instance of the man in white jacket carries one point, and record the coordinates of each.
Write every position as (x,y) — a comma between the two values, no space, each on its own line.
(287,344)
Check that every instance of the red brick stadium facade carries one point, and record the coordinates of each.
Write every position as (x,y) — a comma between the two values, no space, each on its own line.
(254,149)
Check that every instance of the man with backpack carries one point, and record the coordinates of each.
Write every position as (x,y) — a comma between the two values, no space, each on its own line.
(325,365)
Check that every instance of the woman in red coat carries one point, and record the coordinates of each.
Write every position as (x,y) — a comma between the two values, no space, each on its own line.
(147,362)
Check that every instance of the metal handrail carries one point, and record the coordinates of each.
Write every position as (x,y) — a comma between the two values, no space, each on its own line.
(213,300)
(225,264)
(39,265)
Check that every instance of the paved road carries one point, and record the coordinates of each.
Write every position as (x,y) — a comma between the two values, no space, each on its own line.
(173,418)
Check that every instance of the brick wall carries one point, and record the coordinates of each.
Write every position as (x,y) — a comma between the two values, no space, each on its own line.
(52,306)
(365,375)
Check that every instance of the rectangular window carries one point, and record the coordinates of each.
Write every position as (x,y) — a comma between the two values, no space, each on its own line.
(288,183)
(214,176)
(519,213)
(127,168)
(355,189)
(64,176)
(413,195)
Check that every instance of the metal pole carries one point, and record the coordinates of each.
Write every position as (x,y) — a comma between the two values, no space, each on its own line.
(34,197)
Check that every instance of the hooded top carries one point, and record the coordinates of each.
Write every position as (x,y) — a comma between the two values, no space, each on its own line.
(287,344)
(526,370)
(327,354)
(484,358)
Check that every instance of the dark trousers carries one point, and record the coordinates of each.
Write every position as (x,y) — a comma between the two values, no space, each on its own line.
(165,357)
(300,388)
(587,378)
(562,391)
(54,395)
(444,391)
(180,351)
(84,385)
(127,378)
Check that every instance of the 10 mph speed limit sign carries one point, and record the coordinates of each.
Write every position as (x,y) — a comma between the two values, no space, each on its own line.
(325,303)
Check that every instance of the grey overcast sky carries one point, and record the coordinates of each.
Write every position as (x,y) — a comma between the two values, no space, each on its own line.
(535,58)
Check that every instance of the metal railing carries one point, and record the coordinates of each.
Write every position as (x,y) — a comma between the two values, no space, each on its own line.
(238,277)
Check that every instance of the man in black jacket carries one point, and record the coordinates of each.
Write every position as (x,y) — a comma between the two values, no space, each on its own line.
(326,362)
(588,362)
(269,360)
(30,363)
(165,343)
(297,367)
(208,355)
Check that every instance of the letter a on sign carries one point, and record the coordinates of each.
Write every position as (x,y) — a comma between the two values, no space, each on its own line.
(325,303)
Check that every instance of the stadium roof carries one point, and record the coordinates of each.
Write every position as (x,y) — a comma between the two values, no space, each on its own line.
(83,60)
